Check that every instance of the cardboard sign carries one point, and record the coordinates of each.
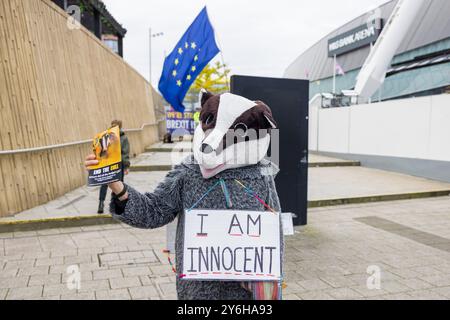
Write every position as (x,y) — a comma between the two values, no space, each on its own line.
(107,149)
(231,245)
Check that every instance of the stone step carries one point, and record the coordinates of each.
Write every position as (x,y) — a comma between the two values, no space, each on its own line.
(185,146)
(315,160)
(147,168)
(54,223)
(334,164)
(163,160)
(156,149)
(377,198)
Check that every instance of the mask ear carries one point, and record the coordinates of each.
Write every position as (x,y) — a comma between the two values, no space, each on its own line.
(271,122)
(204,96)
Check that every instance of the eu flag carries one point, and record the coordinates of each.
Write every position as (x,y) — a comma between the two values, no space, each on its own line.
(191,55)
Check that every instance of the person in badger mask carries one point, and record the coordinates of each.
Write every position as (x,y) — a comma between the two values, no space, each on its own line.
(224,150)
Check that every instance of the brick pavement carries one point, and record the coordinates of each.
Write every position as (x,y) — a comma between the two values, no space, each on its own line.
(328,259)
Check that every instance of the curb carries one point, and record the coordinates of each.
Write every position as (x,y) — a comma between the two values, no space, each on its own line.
(378,198)
(52,223)
(334,164)
(85,221)
(148,168)
(168,150)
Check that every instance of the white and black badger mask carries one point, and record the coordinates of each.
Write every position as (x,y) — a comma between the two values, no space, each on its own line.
(233,132)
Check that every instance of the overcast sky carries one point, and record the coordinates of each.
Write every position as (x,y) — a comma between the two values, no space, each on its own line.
(257,37)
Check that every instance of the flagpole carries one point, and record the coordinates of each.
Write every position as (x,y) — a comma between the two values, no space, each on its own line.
(221,55)
(223,60)
(150,37)
(150,56)
(224,70)
(334,75)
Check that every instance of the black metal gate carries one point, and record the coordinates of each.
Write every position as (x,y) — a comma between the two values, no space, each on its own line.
(288,100)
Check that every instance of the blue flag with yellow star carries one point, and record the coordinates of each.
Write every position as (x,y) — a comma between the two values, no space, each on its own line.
(191,55)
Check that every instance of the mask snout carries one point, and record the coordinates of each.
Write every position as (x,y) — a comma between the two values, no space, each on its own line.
(206,148)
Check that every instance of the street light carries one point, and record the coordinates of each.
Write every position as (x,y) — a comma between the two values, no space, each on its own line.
(151,36)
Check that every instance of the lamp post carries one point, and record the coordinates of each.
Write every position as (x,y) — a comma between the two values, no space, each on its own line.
(151,36)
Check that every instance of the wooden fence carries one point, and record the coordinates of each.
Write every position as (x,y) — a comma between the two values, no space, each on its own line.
(59,85)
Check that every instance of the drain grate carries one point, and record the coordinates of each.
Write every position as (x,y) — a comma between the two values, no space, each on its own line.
(128,258)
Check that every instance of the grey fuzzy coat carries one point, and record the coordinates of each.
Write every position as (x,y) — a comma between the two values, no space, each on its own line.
(182,187)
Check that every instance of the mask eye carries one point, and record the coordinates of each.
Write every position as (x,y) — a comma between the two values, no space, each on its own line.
(240,129)
(209,119)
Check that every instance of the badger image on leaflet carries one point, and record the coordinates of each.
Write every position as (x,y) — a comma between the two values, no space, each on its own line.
(102,144)
(230,143)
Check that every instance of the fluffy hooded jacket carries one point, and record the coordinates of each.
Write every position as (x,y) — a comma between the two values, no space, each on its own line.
(181,189)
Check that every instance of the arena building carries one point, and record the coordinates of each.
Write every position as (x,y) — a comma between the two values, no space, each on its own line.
(421,66)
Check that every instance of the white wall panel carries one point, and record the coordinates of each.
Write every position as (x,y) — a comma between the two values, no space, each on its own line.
(410,128)
(395,128)
(335,138)
(439,148)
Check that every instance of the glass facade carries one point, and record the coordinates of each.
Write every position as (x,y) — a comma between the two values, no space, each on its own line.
(402,84)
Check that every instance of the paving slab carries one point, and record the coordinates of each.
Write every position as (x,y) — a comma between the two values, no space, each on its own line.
(331,258)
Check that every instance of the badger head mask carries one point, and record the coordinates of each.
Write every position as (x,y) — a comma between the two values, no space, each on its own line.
(233,132)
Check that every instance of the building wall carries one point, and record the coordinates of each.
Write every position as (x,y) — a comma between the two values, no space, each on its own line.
(59,85)
(415,130)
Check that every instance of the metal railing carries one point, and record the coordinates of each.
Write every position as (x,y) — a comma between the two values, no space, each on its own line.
(68,144)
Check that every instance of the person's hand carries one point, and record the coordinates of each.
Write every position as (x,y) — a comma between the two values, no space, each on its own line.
(126,171)
(116,187)
(91,160)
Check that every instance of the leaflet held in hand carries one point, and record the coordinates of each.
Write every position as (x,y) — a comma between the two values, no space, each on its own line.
(107,149)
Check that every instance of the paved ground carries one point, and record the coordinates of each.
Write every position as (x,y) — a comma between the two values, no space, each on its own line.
(409,241)
(349,182)
(84,201)
(325,184)
(115,262)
